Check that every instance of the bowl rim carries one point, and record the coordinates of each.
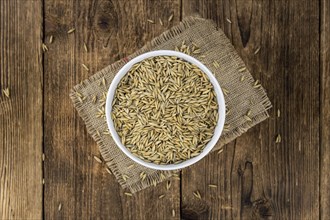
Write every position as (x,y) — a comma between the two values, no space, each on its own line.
(220,99)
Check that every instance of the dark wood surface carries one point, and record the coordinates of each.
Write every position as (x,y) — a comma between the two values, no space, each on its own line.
(111,30)
(325,111)
(255,178)
(258,178)
(21,114)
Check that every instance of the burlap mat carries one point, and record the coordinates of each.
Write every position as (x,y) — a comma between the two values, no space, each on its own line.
(246,100)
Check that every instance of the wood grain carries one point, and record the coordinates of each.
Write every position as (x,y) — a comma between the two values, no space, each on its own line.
(21,113)
(111,30)
(325,111)
(256,177)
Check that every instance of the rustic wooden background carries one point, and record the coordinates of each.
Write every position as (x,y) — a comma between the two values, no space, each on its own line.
(256,178)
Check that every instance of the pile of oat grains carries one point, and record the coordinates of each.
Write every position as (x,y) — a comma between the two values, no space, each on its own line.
(165,110)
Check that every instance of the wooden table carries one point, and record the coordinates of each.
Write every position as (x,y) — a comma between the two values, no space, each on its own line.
(256,178)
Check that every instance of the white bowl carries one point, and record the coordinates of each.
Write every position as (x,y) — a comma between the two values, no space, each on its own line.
(217,89)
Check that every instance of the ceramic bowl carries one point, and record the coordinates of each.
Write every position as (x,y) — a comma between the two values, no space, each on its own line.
(219,96)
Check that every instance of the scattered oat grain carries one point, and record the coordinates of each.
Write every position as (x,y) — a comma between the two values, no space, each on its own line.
(143,175)
(71,30)
(94,99)
(247,118)
(44,47)
(150,21)
(59,207)
(97,159)
(197,51)
(85,67)
(213,186)
(154,183)
(194,44)
(229,21)
(216,64)
(248,112)
(278,113)
(170,18)
(80,99)
(79,94)
(242,69)
(51,38)
(256,84)
(257,50)
(161,22)
(225,91)
(128,194)
(108,170)
(6,92)
(278,139)
(106,132)
(125,177)
(85,47)
(197,195)
(168,185)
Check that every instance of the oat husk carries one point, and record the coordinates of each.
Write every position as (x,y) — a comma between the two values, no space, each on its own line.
(213,46)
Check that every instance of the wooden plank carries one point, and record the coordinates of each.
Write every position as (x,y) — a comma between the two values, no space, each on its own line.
(21,113)
(325,111)
(111,30)
(255,176)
